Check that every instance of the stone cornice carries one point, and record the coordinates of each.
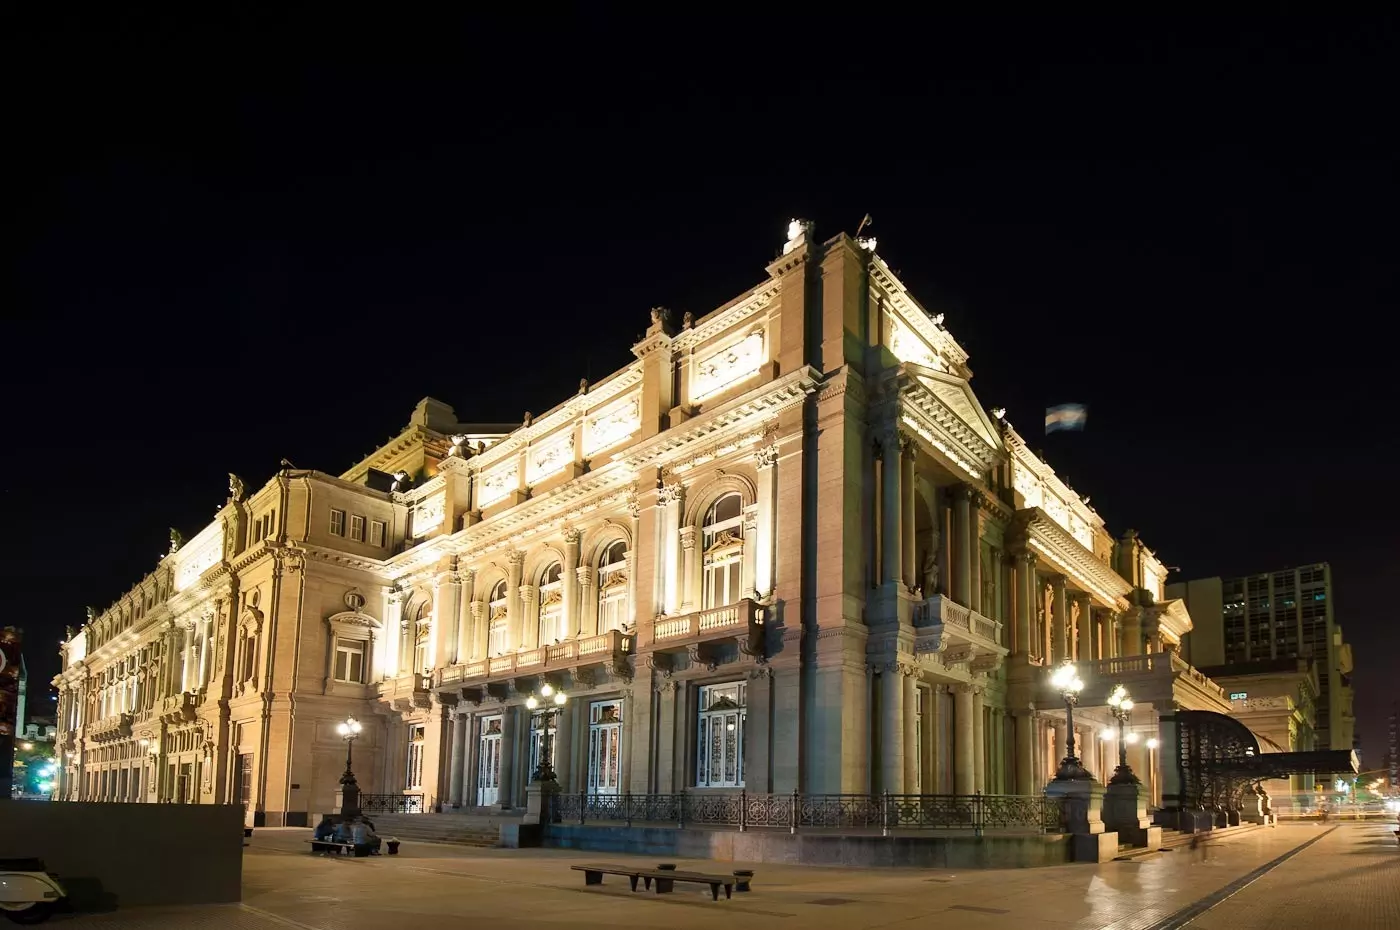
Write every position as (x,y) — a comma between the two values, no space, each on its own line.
(912,314)
(730,419)
(1065,552)
(928,417)
(715,323)
(560,416)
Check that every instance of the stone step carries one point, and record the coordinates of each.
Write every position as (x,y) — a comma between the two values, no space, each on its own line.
(437,828)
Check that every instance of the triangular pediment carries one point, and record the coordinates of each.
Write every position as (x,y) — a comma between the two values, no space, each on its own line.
(956,394)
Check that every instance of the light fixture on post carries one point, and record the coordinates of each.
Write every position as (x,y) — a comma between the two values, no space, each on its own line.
(1121,706)
(553,704)
(1066,680)
(349,788)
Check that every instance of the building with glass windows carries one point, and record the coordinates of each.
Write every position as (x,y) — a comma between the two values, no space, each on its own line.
(784,548)
(1280,615)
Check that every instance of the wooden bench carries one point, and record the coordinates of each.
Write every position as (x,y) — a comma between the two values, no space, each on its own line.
(336,846)
(593,874)
(665,881)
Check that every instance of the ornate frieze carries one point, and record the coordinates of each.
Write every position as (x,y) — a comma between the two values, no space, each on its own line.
(612,424)
(550,457)
(733,363)
(428,514)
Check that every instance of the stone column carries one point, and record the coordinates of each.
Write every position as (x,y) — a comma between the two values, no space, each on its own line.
(564,746)
(1059,624)
(912,762)
(510,730)
(1132,633)
(393,617)
(529,616)
(1025,602)
(515,621)
(892,728)
(690,571)
(974,554)
(459,748)
(965,740)
(588,601)
(446,607)
(186,654)
(979,741)
(765,547)
(481,630)
(466,617)
(962,558)
(1084,629)
(573,621)
(906,494)
(670,498)
(890,508)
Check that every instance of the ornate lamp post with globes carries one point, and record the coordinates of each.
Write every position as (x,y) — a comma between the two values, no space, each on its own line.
(1066,680)
(1121,706)
(349,788)
(545,771)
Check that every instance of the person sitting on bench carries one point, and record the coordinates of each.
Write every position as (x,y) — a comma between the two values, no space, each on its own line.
(361,834)
(324,830)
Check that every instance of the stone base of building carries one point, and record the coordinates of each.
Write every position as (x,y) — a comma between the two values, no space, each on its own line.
(1095,847)
(283,819)
(1007,851)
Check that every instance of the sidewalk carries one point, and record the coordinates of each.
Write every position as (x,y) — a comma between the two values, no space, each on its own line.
(430,885)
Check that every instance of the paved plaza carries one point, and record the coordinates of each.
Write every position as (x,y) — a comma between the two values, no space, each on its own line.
(1347,874)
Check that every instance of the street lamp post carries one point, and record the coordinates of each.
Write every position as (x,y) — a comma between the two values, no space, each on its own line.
(1066,680)
(545,771)
(349,788)
(1122,707)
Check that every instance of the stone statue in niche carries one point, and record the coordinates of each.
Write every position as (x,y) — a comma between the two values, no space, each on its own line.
(928,568)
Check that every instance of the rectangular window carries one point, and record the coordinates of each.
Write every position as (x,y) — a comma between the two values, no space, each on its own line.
(337,523)
(413,778)
(357,527)
(350,660)
(376,533)
(604,747)
(719,756)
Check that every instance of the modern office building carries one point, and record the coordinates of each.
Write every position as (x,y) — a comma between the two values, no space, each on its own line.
(785,548)
(1262,618)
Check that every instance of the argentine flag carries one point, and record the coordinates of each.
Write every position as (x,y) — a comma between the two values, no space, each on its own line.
(1065,416)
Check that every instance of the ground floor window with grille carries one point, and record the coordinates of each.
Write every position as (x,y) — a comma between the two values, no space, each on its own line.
(245,779)
(720,736)
(413,778)
(605,747)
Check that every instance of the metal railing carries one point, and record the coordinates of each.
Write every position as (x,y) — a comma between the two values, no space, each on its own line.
(883,812)
(391,803)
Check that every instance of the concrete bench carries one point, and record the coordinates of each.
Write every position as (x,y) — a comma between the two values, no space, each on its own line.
(336,846)
(666,878)
(593,874)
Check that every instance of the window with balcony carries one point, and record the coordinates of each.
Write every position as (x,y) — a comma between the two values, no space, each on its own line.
(551,593)
(723,541)
(612,588)
(422,640)
(605,747)
(498,612)
(350,661)
(720,736)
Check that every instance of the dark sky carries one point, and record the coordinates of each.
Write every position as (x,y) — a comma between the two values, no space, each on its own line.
(240,241)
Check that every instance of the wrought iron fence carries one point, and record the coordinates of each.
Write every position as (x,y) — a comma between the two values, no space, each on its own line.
(883,812)
(391,803)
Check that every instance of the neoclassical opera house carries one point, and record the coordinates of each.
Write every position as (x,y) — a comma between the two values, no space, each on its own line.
(785,548)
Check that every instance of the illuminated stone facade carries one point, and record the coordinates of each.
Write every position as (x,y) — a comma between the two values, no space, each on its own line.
(786,548)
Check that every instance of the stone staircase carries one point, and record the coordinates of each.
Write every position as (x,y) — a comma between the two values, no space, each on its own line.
(457,829)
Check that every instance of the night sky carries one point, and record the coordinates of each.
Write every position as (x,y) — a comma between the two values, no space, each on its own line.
(241,241)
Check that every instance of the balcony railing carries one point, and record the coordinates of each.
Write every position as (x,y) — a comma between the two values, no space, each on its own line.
(117,726)
(1160,668)
(794,812)
(391,803)
(730,620)
(411,689)
(570,653)
(938,610)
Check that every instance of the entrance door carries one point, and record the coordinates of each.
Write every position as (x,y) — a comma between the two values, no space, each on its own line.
(604,747)
(488,770)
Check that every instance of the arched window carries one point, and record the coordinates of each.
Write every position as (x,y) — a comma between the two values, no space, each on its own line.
(724,551)
(422,640)
(612,588)
(497,610)
(552,605)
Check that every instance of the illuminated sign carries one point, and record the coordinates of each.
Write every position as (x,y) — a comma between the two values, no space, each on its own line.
(1239,695)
